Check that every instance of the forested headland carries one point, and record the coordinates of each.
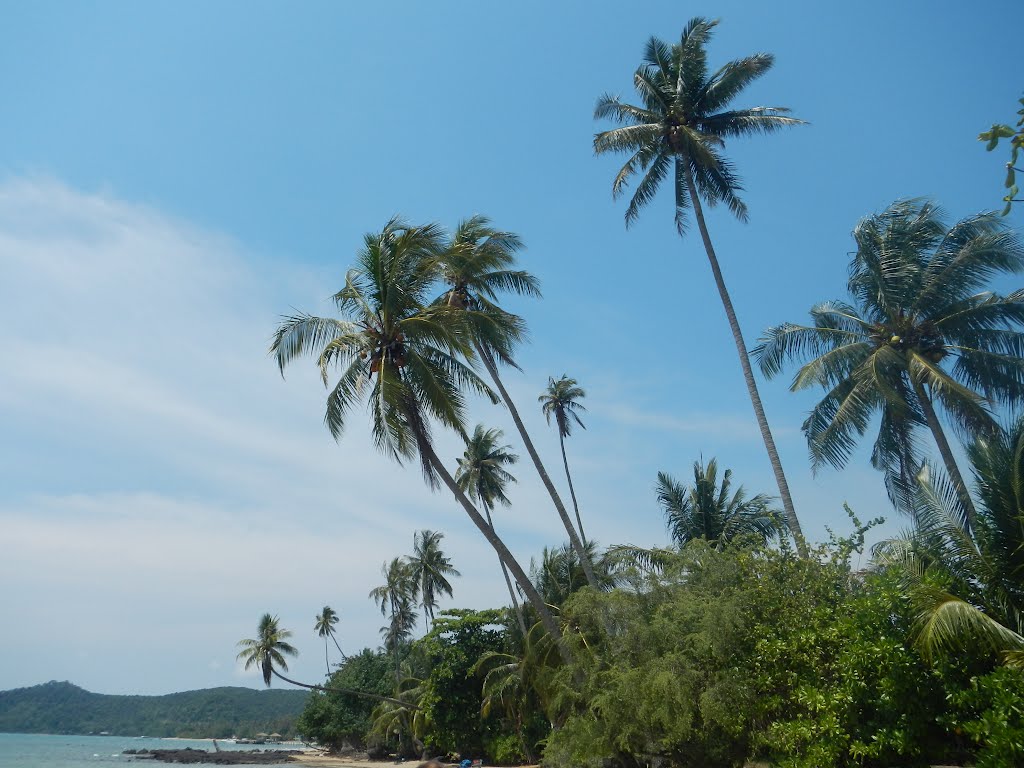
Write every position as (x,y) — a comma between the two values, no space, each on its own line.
(60,707)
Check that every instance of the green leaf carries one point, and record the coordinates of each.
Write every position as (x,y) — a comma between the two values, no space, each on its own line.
(1010,177)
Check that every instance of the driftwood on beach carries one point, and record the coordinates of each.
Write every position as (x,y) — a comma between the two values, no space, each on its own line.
(234,757)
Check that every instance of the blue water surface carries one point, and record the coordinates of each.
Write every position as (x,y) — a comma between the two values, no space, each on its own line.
(32,750)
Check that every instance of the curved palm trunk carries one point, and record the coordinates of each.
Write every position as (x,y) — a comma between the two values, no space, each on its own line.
(508,581)
(947,454)
(748,374)
(572,491)
(546,617)
(327,659)
(574,539)
(345,691)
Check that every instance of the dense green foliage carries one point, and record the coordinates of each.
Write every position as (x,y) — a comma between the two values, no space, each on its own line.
(335,719)
(727,646)
(214,713)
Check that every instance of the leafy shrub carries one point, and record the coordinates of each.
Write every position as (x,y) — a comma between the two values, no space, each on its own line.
(993,717)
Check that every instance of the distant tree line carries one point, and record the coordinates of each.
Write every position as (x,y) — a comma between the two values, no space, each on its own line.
(60,707)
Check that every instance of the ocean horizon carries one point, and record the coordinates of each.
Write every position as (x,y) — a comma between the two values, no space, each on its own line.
(38,750)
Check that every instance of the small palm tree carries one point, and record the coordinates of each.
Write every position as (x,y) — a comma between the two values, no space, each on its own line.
(404,355)
(706,510)
(431,568)
(483,476)
(679,132)
(326,620)
(967,582)
(476,267)
(921,332)
(561,400)
(560,572)
(268,648)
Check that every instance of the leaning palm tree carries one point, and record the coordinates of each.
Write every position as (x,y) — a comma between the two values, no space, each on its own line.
(268,648)
(404,355)
(681,130)
(707,509)
(430,568)
(967,583)
(922,332)
(561,400)
(324,627)
(268,651)
(476,266)
(483,476)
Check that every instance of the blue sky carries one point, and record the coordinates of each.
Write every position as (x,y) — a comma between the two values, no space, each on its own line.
(175,176)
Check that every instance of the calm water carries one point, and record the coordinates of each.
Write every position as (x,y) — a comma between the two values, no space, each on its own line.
(37,751)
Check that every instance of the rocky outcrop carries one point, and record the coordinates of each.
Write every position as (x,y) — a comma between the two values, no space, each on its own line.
(234,757)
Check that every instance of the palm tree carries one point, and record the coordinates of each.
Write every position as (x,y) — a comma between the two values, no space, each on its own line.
(483,476)
(967,582)
(681,128)
(268,648)
(921,332)
(560,572)
(404,354)
(476,267)
(396,595)
(430,568)
(561,400)
(324,627)
(706,510)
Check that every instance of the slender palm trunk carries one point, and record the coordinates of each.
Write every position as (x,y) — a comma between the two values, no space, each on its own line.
(572,491)
(345,691)
(574,539)
(546,617)
(508,581)
(946,453)
(327,659)
(343,656)
(748,374)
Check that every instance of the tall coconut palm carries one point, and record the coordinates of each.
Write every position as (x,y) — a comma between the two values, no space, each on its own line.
(680,131)
(404,356)
(967,584)
(326,620)
(562,400)
(922,332)
(430,568)
(395,598)
(268,648)
(706,510)
(476,267)
(483,476)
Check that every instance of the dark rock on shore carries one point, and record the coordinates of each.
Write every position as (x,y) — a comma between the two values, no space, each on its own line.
(234,757)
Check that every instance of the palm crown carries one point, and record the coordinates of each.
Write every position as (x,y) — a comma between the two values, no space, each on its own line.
(431,568)
(561,400)
(268,648)
(482,472)
(706,510)
(921,329)
(684,121)
(391,343)
(477,266)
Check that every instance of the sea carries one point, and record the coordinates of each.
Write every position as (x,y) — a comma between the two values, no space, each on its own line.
(33,750)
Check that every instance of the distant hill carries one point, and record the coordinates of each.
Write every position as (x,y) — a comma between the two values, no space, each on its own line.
(211,713)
